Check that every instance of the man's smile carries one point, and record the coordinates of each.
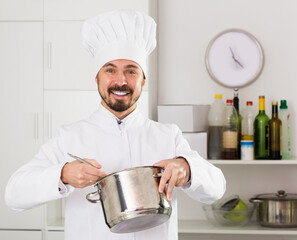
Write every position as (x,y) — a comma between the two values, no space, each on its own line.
(118,93)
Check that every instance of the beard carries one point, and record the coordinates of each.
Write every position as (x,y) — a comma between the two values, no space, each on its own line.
(119,105)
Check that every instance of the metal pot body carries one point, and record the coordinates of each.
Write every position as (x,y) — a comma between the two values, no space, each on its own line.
(277,209)
(277,213)
(131,201)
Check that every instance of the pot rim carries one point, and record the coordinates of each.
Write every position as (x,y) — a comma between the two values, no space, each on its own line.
(281,195)
(126,170)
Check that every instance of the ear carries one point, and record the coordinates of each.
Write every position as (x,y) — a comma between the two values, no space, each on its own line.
(143,81)
(96,79)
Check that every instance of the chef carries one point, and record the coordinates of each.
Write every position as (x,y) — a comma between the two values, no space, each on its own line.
(116,137)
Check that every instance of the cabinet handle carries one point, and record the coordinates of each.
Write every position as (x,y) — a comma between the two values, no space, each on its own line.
(36,125)
(49,60)
(49,125)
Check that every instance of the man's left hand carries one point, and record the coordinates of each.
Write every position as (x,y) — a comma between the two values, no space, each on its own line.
(176,173)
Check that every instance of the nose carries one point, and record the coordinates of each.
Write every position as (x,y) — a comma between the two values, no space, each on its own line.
(121,79)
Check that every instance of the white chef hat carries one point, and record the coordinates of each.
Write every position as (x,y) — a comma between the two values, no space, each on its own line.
(120,34)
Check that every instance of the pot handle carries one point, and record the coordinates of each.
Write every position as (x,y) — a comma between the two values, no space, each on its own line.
(91,195)
(156,175)
(256,200)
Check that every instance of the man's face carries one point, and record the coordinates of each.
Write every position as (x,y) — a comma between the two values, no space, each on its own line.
(120,84)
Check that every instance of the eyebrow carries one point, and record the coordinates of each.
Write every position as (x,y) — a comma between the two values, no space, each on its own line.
(132,66)
(128,66)
(109,65)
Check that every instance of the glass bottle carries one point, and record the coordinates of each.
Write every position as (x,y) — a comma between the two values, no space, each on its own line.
(274,133)
(236,106)
(261,131)
(284,116)
(248,117)
(216,118)
(230,132)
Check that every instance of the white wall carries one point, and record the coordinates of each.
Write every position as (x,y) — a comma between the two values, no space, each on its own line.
(185,29)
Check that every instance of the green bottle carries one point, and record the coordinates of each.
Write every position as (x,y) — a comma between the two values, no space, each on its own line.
(274,133)
(236,106)
(261,131)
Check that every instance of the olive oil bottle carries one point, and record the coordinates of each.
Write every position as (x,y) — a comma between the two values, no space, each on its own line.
(274,133)
(261,132)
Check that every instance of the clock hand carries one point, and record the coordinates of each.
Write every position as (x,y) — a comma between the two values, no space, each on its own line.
(238,62)
(232,53)
(233,56)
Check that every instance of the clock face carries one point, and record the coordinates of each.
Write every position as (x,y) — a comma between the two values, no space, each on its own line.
(234,58)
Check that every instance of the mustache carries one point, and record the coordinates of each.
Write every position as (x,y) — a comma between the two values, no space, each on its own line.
(124,88)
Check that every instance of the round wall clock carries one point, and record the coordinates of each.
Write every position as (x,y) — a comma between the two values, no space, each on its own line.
(234,58)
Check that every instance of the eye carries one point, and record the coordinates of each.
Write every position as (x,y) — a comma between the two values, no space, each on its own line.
(131,71)
(110,70)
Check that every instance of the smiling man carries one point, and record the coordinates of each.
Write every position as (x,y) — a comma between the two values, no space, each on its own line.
(120,84)
(116,137)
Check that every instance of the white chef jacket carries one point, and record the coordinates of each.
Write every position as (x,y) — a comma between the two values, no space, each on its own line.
(137,141)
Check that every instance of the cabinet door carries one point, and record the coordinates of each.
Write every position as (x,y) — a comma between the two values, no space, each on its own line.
(64,107)
(21,10)
(20,235)
(21,104)
(80,10)
(67,64)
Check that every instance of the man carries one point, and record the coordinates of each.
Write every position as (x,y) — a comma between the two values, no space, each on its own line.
(114,138)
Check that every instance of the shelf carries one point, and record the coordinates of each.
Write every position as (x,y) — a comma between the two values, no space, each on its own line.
(254,162)
(204,227)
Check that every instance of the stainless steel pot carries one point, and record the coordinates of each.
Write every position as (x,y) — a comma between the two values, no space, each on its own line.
(131,201)
(277,210)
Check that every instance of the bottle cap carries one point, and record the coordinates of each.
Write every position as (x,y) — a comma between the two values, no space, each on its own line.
(249,103)
(262,97)
(218,96)
(229,101)
(283,104)
(274,103)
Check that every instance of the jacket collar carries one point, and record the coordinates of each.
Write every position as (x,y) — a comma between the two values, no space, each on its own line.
(105,112)
(104,116)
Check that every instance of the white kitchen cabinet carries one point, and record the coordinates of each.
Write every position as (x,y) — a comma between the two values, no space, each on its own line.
(81,10)
(20,235)
(67,65)
(21,104)
(11,10)
(64,107)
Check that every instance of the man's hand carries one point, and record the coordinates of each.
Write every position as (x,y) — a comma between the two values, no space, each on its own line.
(81,175)
(176,173)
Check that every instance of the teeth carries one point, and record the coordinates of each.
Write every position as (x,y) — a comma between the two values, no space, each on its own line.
(120,93)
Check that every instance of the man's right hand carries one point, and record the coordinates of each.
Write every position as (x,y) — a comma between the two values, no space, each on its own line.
(81,175)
